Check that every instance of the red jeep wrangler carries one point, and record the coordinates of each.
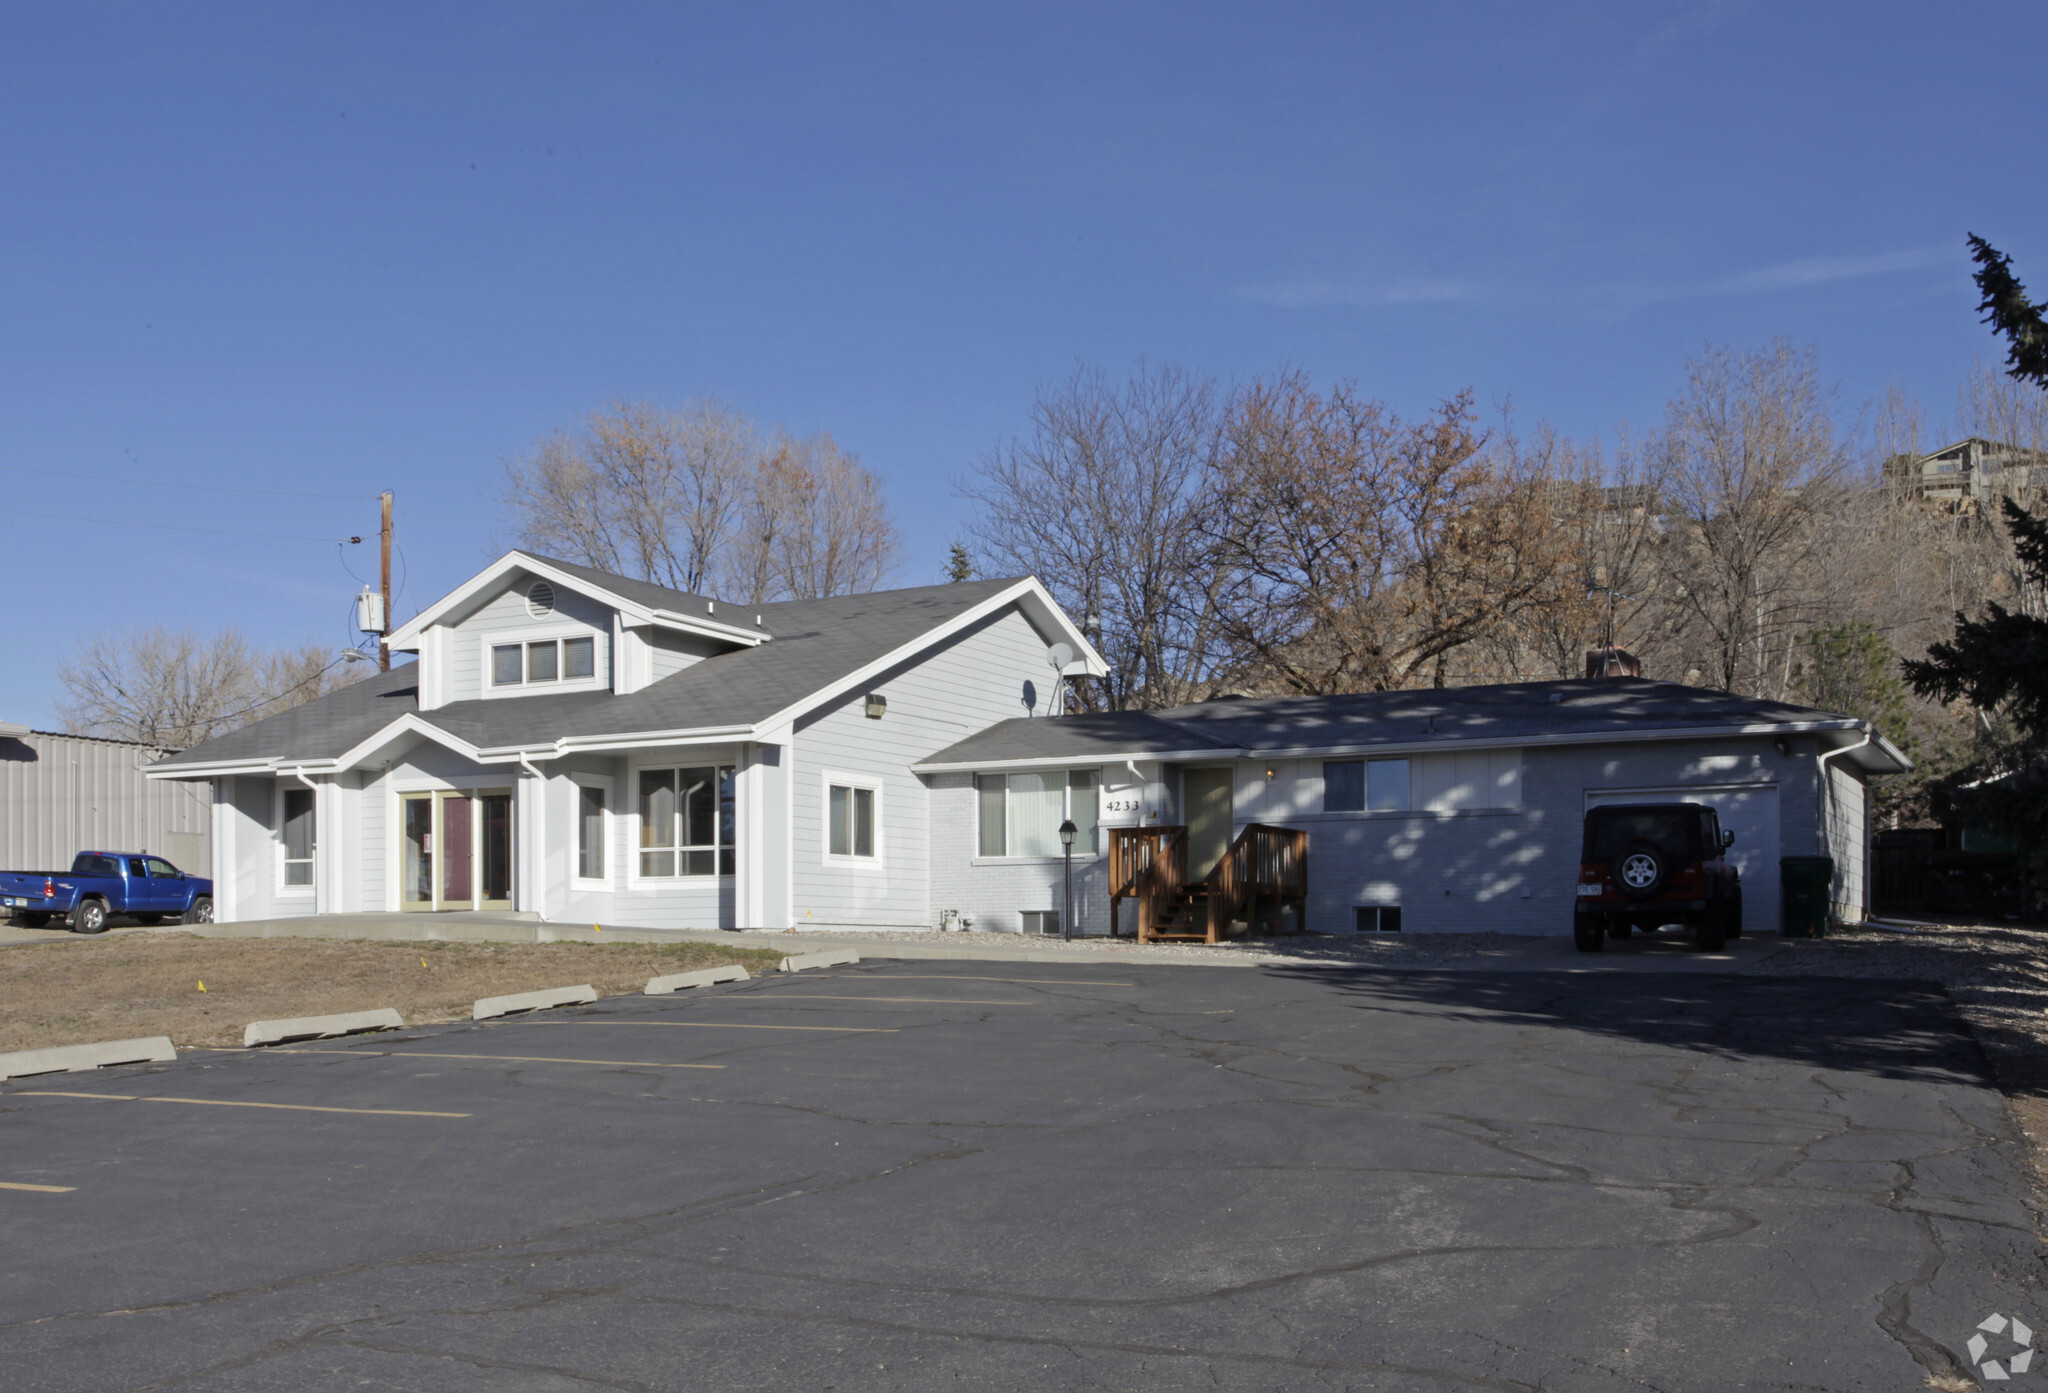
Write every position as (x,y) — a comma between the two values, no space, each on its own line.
(1650,864)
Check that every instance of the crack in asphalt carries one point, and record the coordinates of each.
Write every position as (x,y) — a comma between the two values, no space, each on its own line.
(1791,1133)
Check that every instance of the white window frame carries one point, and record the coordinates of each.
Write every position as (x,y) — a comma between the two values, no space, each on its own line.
(1067,812)
(600,678)
(607,834)
(312,863)
(829,779)
(682,757)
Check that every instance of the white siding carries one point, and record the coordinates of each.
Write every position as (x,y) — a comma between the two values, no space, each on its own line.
(505,618)
(670,652)
(977,679)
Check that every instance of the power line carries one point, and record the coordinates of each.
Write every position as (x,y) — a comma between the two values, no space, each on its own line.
(203,488)
(167,527)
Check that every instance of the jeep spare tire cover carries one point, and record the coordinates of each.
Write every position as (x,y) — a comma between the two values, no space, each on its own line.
(1639,870)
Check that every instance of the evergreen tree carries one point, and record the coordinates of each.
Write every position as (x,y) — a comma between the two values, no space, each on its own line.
(2007,309)
(1999,664)
(959,563)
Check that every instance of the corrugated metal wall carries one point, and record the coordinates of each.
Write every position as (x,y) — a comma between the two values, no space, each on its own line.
(62,794)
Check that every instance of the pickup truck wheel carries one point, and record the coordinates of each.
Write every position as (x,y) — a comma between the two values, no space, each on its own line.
(1735,916)
(89,918)
(1589,934)
(201,911)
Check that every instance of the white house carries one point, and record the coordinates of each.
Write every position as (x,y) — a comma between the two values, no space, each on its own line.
(596,749)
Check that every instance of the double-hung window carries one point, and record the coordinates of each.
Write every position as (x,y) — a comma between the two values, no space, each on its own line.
(544,660)
(298,836)
(849,821)
(686,821)
(1365,786)
(1020,814)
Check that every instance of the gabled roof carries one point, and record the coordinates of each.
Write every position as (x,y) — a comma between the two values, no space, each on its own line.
(822,649)
(1583,711)
(640,602)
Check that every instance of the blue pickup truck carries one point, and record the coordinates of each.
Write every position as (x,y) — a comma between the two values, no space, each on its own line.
(101,884)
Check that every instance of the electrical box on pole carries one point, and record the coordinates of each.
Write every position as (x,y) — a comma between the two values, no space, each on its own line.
(370,612)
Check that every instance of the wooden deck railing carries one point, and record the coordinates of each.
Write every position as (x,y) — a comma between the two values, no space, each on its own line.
(1266,867)
(1150,865)
(1264,871)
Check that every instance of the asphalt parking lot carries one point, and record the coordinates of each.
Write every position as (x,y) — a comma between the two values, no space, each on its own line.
(1020,1175)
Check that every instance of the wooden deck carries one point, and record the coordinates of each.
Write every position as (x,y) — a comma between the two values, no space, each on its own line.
(1264,871)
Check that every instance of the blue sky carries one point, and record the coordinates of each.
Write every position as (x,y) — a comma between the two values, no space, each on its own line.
(336,249)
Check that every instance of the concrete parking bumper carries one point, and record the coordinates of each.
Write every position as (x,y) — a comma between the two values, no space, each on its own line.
(78,1059)
(320,1027)
(706,977)
(803,962)
(532,1001)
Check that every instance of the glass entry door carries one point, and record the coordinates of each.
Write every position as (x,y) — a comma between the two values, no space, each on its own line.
(416,851)
(455,850)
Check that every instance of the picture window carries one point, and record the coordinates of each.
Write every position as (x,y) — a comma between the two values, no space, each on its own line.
(1020,814)
(687,822)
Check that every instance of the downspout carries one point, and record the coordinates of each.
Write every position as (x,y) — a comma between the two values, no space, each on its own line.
(538,871)
(1827,796)
(320,876)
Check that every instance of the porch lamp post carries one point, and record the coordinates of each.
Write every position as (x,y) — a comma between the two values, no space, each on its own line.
(1067,830)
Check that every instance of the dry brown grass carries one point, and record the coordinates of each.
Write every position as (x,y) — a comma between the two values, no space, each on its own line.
(70,993)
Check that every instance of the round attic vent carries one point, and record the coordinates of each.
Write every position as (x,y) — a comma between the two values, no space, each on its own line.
(540,599)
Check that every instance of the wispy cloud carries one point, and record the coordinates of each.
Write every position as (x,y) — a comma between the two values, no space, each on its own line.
(1315,294)
(1792,275)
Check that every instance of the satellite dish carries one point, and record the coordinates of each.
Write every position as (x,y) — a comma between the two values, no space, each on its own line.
(1059,655)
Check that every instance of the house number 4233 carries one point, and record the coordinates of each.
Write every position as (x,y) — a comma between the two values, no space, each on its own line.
(1121,805)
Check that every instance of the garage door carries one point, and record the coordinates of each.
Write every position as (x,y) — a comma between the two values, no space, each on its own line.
(1750,811)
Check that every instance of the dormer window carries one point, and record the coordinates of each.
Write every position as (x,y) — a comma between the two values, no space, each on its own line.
(548,660)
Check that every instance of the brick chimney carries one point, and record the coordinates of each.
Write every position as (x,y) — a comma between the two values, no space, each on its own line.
(1613,662)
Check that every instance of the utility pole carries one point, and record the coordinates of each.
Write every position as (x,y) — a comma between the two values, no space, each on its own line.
(384,576)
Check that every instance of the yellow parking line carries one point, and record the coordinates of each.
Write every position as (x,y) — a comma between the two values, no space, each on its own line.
(915,1000)
(734,1025)
(1029,981)
(507,1058)
(39,1189)
(232,1103)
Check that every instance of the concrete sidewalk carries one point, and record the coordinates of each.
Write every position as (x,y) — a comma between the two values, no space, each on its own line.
(1429,952)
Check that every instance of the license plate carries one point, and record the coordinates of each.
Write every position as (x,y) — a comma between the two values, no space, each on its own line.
(1592,889)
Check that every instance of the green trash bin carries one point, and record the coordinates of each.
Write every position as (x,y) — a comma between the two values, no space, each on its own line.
(1804,883)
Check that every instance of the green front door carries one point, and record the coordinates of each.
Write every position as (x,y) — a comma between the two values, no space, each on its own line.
(1207,794)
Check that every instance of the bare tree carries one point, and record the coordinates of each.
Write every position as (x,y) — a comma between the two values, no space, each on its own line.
(1362,551)
(1100,498)
(175,688)
(815,524)
(1754,466)
(639,490)
(693,499)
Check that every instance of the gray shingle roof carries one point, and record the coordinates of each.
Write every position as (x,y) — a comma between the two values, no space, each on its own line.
(816,643)
(1509,712)
(646,592)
